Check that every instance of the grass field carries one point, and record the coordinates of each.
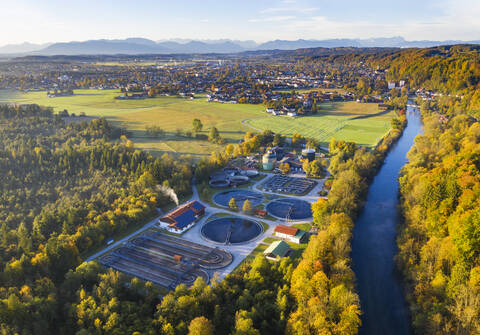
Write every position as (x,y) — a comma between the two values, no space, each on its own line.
(352,121)
(170,113)
(362,123)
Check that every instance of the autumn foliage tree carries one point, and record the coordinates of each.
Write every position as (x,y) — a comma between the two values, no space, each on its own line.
(247,207)
(232,204)
(439,242)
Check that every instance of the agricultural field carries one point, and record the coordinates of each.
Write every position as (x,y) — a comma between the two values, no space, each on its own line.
(362,123)
(351,121)
(170,113)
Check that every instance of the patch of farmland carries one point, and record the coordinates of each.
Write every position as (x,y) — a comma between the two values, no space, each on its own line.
(361,123)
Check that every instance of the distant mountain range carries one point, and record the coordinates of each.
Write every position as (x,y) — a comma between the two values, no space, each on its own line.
(134,46)
(22,48)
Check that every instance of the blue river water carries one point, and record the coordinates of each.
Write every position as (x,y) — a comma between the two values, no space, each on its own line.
(384,307)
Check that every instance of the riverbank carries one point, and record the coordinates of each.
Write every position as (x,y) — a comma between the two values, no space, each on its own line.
(323,284)
(373,248)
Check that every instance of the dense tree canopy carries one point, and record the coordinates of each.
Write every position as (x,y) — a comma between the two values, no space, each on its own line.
(440,239)
(64,189)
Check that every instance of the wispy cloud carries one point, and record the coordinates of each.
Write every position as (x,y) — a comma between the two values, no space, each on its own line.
(289,9)
(273,18)
(430,23)
(455,24)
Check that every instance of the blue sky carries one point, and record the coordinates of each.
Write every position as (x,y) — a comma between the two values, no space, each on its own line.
(42,21)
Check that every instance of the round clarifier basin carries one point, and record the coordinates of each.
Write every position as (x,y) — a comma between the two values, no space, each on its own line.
(239,180)
(231,230)
(293,209)
(223,198)
(219,183)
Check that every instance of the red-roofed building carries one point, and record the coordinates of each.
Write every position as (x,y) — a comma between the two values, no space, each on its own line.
(183,217)
(291,234)
(260,213)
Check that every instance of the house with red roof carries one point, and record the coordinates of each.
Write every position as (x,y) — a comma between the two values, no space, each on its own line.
(290,234)
(183,217)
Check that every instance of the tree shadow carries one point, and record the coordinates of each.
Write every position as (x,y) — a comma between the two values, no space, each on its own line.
(370,115)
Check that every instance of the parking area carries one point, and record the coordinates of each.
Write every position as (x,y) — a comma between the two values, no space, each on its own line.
(288,185)
(166,260)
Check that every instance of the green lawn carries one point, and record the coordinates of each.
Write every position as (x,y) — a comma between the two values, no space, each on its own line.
(297,249)
(206,194)
(170,113)
(264,225)
(303,226)
(219,215)
(351,121)
(362,123)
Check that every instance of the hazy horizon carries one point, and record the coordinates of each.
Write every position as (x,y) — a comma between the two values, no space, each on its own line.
(212,40)
(51,21)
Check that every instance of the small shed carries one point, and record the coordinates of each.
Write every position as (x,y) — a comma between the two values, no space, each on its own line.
(260,213)
(276,250)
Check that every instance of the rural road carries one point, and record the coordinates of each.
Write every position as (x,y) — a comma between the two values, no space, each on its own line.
(125,239)
(250,126)
(145,227)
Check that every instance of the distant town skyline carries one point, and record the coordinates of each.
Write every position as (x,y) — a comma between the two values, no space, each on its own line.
(42,21)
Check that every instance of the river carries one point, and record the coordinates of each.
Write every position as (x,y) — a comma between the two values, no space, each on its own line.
(384,307)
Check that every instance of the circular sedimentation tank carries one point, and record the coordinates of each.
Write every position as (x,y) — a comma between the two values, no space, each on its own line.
(231,230)
(219,183)
(293,209)
(250,173)
(239,180)
(223,198)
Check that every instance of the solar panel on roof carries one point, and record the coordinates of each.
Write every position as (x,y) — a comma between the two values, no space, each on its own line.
(185,219)
(198,206)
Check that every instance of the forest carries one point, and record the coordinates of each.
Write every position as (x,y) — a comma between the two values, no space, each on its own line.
(67,187)
(439,242)
(64,189)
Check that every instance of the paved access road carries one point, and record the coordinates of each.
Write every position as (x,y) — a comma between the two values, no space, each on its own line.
(125,239)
